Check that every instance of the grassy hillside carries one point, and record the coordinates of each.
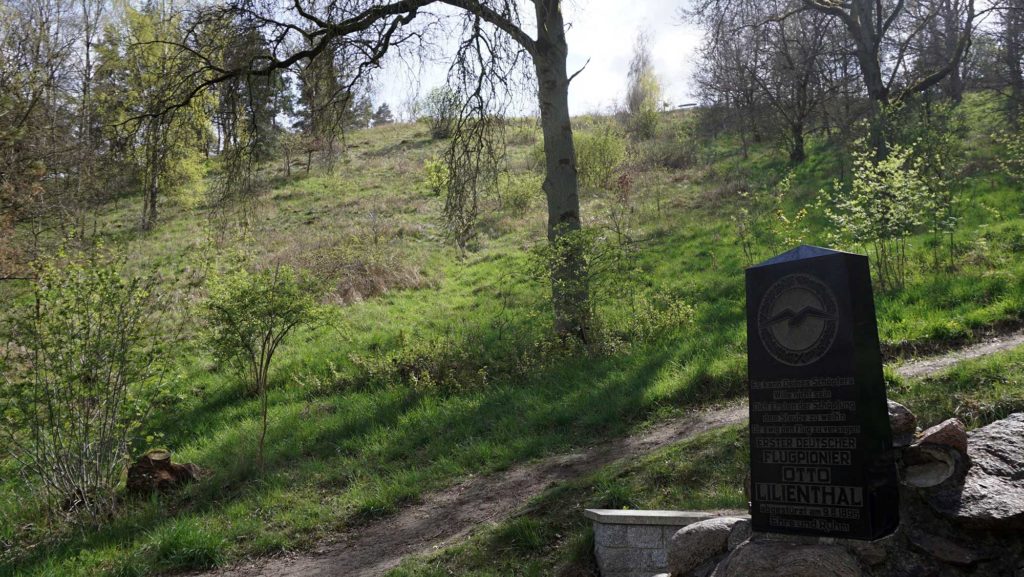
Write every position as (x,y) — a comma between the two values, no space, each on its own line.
(437,365)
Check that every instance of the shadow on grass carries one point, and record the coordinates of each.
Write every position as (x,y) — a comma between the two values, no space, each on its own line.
(374,450)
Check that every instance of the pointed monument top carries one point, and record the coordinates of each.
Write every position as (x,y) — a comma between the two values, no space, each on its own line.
(801,252)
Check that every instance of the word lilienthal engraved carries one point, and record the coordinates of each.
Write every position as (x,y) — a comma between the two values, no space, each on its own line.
(819,433)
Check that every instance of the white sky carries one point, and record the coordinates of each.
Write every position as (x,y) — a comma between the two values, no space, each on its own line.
(603,31)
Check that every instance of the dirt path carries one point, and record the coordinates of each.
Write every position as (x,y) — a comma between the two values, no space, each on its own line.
(448,516)
(931,365)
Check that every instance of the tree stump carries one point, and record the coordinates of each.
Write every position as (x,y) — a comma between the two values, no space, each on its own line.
(154,472)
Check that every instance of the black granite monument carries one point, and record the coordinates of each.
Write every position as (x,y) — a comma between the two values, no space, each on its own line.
(820,442)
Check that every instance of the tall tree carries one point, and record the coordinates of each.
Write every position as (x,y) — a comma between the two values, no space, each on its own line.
(248,107)
(728,87)
(145,73)
(784,60)
(39,99)
(1012,40)
(883,34)
(493,42)
(383,115)
(643,90)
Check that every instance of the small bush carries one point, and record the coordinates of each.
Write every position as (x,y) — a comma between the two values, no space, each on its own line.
(680,148)
(442,107)
(521,133)
(1012,159)
(656,315)
(446,364)
(644,123)
(882,207)
(598,155)
(519,191)
(249,315)
(437,176)
(762,226)
(83,374)
(358,270)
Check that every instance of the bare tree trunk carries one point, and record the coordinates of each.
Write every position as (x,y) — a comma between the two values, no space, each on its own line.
(155,160)
(569,286)
(1013,40)
(797,152)
(951,22)
(871,70)
(152,190)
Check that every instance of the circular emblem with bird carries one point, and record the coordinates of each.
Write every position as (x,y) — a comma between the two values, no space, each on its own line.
(798,319)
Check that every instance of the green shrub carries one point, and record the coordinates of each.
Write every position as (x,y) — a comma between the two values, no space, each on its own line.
(249,315)
(442,107)
(644,123)
(762,226)
(437,176)
(446,364)
(519,191)
(654,315)
(936,133)
(1012,159)
(521,132)
(598,156)
(599,153)
(83,374)
(882,207)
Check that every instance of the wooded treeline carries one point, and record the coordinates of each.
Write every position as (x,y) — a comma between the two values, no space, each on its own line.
(787,69)
(107,98)
(98,102)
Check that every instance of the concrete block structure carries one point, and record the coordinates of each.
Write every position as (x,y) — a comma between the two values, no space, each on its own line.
(635,543)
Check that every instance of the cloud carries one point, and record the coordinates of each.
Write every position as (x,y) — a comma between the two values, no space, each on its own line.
(605,30)
(602,31)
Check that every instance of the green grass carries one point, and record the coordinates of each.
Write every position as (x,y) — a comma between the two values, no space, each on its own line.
(705,473)
(977,392)
(551,536)
(356,429)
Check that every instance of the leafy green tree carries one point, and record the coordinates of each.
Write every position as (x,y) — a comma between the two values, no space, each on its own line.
(383,115)
(249,315)
(880,209)
(442,107)
(644,90)
(86,370)
(140,86)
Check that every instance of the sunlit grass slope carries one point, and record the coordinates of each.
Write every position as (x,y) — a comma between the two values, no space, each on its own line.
(437,365)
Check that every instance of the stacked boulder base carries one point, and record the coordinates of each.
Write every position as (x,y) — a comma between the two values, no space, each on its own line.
(961,514)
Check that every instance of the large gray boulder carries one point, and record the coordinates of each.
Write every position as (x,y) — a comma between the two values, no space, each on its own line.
(697,544)
(781,559)
(992,495)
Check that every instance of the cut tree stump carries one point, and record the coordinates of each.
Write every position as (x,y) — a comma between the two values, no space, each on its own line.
(154,472)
